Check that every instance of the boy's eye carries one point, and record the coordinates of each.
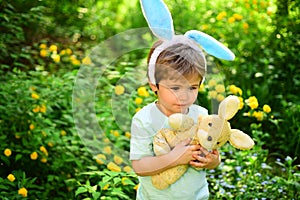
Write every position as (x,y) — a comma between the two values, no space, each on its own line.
(175,88)
(193,88)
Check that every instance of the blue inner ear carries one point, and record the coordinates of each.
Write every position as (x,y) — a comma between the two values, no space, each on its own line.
(211,45)
(159,18)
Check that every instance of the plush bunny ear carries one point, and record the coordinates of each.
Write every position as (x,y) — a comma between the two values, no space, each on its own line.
(211,45)
(229,107)
(159,18)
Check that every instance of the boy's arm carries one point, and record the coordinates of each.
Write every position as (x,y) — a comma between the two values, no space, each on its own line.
(151,165)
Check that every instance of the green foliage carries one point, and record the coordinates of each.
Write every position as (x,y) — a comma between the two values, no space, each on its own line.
(36,125)
(43,49)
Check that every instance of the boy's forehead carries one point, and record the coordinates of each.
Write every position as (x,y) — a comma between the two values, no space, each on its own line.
(191,79)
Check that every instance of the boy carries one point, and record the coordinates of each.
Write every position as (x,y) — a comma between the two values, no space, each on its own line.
(176,69)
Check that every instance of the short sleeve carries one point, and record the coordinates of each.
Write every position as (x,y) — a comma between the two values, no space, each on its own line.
(141,140)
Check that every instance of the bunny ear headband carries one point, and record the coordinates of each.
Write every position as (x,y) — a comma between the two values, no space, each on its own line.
(160,22)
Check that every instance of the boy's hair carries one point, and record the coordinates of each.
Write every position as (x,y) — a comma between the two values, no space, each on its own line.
(179,58)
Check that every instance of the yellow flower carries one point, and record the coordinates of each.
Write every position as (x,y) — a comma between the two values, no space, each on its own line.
(35,96)
(241,103)
(62,52)
(235,90)
(105,187)
(106,140)
(142,91)
(220,88)
(138,100)
(43,53)
(252,102)
(107,150)
(34,155)
(31,127)
(231,20)
(118,159)
(22,191)
(258,115)
(7,152)
(69,51)
(43,46)
(220,97)
(50,144)
(53,48)
(201,88)
(43,160)
(212,83)
(127,169)
(245,26)
(36,109)
(55,57)
(75,62)
(254,1)
(221,15)
(213,94)
(44,150)
(43,108)
(113,167)
(137,110)
(124,181)
(266,108)
(136,186)
(119,89)
(204,27)
(11,177)
(116,133)
(127,134)
(63,133)
(86,61)
(238,16)
(100,158)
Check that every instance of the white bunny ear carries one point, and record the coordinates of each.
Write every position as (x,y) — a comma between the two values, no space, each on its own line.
(159,18)
(210,45)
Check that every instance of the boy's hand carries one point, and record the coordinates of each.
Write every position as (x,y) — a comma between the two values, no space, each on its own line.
(183,152)
(206,159)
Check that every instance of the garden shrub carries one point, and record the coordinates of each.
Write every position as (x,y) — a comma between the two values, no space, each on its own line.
(37,128)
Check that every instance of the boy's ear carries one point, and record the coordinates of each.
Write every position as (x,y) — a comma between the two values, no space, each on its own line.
(153,87)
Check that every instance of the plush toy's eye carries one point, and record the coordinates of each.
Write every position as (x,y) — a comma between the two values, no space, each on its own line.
(209,138)
(210,124)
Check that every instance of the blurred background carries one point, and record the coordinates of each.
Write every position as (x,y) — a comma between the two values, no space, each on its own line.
(45,46)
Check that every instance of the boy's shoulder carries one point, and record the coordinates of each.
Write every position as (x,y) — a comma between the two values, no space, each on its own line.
(198,109)
(145,111)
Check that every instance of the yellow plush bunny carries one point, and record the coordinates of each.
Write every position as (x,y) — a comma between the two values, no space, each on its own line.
(211,132)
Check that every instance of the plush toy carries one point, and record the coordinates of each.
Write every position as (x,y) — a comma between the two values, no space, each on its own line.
(211,132)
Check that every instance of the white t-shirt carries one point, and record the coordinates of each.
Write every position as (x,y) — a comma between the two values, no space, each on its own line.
(145,124)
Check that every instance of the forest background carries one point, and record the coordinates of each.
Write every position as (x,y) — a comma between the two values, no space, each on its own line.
(72,74)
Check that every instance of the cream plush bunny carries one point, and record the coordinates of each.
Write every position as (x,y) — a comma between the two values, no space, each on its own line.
(211,132)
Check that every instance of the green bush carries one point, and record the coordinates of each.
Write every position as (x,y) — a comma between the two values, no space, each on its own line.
(37,128)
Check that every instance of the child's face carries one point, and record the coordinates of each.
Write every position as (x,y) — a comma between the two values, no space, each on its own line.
(176,95)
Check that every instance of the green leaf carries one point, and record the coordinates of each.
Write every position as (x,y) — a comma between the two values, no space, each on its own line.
(96,195)
(80,190)
(18,157)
